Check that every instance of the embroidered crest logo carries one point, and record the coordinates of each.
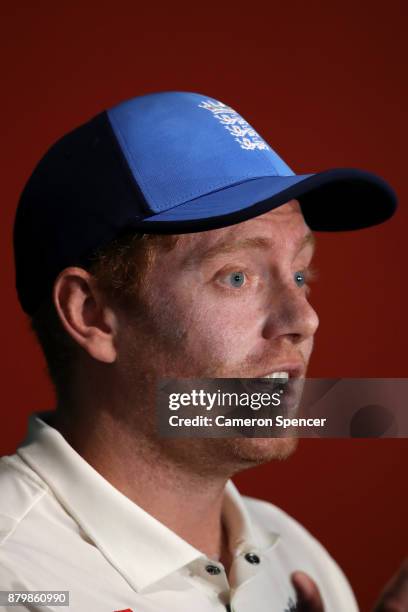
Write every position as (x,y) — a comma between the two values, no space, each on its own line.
(243,133)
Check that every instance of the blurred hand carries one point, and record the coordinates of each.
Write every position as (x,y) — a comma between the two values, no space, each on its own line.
(394,597)
(308,595)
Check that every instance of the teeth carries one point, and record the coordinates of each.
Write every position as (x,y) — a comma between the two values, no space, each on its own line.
(284,375)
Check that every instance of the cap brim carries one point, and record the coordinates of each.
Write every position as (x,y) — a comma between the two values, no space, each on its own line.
(332,200)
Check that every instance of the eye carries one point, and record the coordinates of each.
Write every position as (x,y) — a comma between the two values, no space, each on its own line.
(300,278)
(236,279)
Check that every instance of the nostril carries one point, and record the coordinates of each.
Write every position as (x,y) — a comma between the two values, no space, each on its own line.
(291,315)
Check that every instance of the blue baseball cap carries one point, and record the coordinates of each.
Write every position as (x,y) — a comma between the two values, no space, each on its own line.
(172,162)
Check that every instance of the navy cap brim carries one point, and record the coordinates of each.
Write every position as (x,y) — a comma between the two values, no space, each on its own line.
(333,200)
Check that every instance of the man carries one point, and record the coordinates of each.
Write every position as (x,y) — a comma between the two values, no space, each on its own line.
(165,238)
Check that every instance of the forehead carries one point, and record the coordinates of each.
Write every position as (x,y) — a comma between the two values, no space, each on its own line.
(284,225)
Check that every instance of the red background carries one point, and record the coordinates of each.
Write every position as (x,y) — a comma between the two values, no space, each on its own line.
(325,84)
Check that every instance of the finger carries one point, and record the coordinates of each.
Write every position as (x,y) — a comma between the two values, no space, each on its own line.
(394,598)
(308,595)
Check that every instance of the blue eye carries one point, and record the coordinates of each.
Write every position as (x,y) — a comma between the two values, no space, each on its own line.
(237,279)
(299,279)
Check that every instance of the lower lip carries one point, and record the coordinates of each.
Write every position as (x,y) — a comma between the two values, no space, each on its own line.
(264,385)
(290,391)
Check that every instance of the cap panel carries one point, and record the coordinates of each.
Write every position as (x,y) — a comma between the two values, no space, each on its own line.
(180,146)
(78,198)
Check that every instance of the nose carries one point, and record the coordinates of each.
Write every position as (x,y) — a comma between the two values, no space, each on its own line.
(290,315)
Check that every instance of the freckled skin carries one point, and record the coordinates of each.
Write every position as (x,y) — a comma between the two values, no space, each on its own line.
(193,324)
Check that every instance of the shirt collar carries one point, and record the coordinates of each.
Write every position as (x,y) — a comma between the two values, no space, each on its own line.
(126,535)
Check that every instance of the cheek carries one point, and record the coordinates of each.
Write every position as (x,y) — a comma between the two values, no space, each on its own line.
(225,330)
(200,330)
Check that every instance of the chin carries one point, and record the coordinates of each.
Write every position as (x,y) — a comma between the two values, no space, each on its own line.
(255,451)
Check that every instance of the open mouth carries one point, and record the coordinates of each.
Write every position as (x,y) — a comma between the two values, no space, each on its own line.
(275,382)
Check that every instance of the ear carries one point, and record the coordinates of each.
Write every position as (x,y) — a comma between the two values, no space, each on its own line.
(84,313)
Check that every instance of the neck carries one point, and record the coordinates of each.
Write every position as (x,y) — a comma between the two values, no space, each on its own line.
(180,494)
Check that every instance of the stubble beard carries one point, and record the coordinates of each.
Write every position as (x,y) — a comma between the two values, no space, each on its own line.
(201,455)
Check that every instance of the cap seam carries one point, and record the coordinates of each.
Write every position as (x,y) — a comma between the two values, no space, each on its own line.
(124,144)
(213,189)
(124,162)
(251,178)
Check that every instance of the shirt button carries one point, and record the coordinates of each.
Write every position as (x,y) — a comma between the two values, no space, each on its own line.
(213,570)
(252,558)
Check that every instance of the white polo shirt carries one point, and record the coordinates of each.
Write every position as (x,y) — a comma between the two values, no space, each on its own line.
(63,527)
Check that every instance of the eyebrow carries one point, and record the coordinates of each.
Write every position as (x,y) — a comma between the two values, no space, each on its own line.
(256,242)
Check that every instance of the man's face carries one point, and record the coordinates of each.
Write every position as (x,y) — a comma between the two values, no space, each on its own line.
(226,303)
